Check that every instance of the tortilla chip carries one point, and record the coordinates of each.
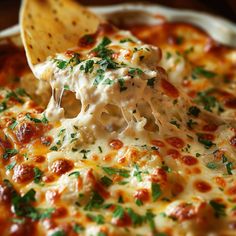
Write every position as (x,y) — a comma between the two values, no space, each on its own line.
(53,26)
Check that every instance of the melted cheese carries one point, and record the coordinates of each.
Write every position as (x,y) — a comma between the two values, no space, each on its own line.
(141,158)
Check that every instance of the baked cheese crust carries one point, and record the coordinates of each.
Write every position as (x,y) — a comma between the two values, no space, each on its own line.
(159,159)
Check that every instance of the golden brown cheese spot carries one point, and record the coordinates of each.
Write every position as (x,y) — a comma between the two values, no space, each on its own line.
(173,153)
(231,103)
(169,89)
(202,186)
(39,159)
(61,166)
(210,127)
(5,194)
(175,142)
(116,144)
(232,190)
(90,178)
(176,189)
(157,143)
(59,212)
(46,140)
(233,141)
(189,160)
(183,212)
(23,173)
(159,176)
(142,194)
(220,181)
(123,221)
(25,132)
(26,228)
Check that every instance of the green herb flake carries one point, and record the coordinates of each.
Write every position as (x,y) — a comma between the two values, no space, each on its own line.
(212,165)
(37,175)
(78,228)
(218,208)
(194,111)
(199,70)
(207,143)
(156,191)
(88,66)
(13,124)
(3,106)
(126,40)
(9,153)
(119,212)
(96,202)
(122,85)
(151,82)
(74,173)
(58,233)
(11,166)
(61,64)
(99,219)
(106,181)
(54,148)
(137,173)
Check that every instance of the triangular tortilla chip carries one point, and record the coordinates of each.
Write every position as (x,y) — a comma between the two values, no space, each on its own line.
(53,26)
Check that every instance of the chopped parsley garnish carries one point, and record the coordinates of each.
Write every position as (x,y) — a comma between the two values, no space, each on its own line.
(11,166)
(78,228)
(135,218)
(199,70)
(59,233)
(99,77)
(14,124)
(99,219)
(229,167)
(212,165)
(37,175)
(207,143)
(100,149)
(96,202)
(88,66)
(219,208)
(191,123)
(75,173)
(104,53)
(133,71)
(179,39)
(85,153)
(122,85)
(108,81)
(9,153)
(54,148)
(150,219)
(151,82)
(3,106)
(139,202)
(61,64)
(156,191)
(194,111)
(118,212)
(66,87)
(36,120)
(168,55)
(106,181)
(126,40)
(112,171)
(209,102)
(137,173)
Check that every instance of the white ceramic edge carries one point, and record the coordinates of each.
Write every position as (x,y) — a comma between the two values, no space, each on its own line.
(219,28)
